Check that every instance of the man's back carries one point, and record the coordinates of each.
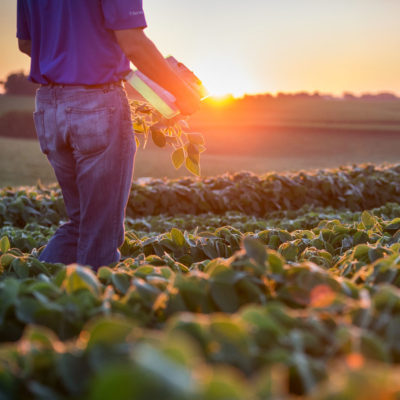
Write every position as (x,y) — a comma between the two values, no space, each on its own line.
(73,40)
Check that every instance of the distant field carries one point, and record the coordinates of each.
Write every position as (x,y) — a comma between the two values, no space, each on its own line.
(20,103)
(21,162)
(281,136)
(335,114)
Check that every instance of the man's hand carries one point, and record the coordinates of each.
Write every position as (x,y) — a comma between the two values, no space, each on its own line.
(188,105)
(146,57)
(25,46)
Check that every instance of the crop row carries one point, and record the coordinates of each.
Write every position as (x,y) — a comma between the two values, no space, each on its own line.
(255,303)
(300,317)
(36,233)
(316,238)
(355,189)
(113,358)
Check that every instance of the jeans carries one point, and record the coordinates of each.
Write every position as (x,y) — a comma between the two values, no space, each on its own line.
(88,138)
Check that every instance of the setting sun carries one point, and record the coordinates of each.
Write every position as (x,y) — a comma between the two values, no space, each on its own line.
(224,77)
(221,100)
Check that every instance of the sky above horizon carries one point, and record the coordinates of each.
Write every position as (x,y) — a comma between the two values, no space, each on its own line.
(258,46)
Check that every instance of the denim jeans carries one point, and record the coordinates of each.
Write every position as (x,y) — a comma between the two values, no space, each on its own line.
(87,136)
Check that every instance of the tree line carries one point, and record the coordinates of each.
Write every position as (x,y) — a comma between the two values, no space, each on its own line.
(17,83)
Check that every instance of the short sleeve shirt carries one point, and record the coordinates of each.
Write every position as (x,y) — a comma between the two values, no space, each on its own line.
(73,40)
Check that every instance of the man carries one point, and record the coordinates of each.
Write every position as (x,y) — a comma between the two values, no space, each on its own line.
(80,52)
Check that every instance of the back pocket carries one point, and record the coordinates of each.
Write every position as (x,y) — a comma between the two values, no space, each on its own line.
(90,130)
(38,118)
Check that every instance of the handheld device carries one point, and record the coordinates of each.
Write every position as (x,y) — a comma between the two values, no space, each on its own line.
(162,100)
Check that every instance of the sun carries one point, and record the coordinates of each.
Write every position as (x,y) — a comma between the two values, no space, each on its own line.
(224,78)
(221,100)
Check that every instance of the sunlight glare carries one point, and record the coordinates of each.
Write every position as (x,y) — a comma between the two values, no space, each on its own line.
(224,78)
(221,100)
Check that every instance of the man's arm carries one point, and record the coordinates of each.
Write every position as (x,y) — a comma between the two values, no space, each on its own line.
(25,46)
(142,52)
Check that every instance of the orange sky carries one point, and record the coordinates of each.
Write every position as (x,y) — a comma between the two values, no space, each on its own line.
(257,46)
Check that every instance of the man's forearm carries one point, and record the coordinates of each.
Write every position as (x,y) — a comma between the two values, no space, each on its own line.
(150,61)
(145,56)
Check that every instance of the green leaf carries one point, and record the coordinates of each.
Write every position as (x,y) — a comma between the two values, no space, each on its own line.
(79,277)
(74,372)
(192,167)
(275,262)
(110,331)
(137,142)
(372,346)
(104,273)
(393,226)
(360,251)
(115,382)
(223,385)
(7,259)
(4,244)
(20,267)
(138,127)
(289,251)
(177,237)
(255,249)
(158,138)
(193,152)
(166,370)
(38,267)
(195,138)
(221,273)
(224,296)
(26,308)
(368,220)
(201,148)
(60,277)
(121,281)
(178,157)
(48,289)
(9,289)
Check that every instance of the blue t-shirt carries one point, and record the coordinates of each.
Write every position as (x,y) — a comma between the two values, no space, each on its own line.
(73,41)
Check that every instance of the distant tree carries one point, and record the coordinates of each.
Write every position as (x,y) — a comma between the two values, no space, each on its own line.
(383,96)
(283,96)
(17,83)
(301,95)
(387,96)
(349,96)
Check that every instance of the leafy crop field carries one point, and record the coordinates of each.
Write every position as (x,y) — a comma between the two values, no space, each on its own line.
(232,287)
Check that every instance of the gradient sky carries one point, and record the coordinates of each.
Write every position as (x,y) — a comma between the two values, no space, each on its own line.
(255,46)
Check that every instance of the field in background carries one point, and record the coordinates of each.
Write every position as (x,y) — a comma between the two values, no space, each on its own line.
(251,111)
(21,162)
(311,113)
(258,136)
(13,103)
